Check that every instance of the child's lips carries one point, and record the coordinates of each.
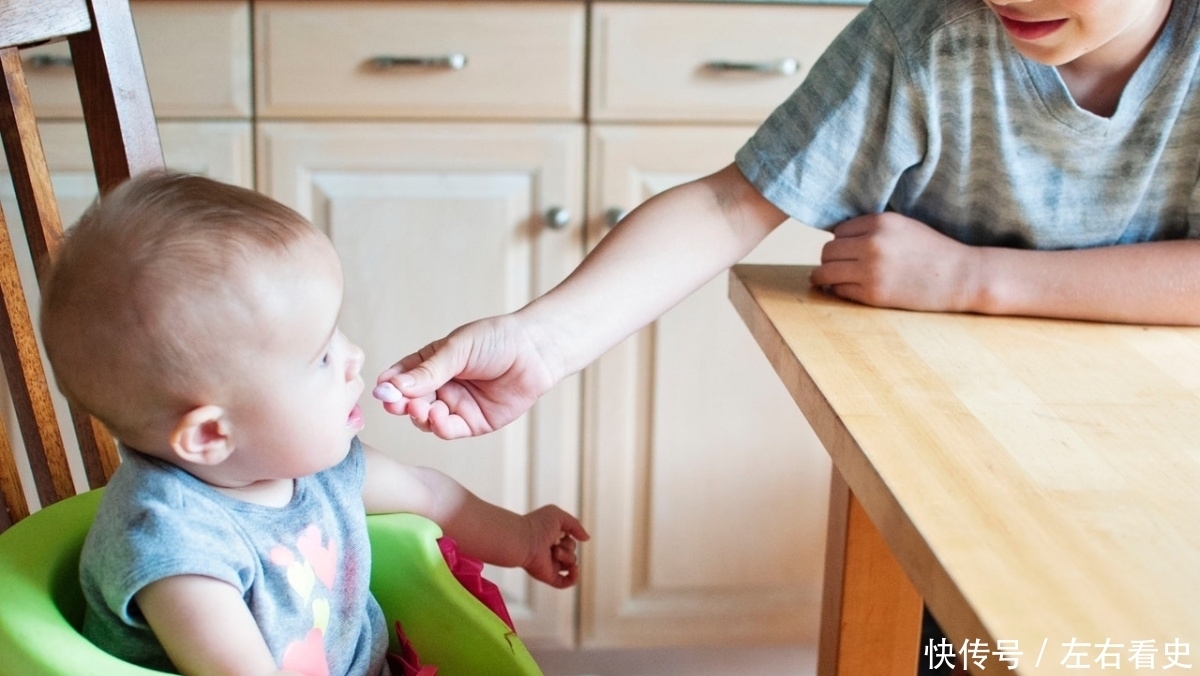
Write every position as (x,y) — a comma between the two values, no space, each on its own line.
(1030,30)
(355,419)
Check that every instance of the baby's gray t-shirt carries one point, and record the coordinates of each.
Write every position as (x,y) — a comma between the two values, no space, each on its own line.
(923,107)
(303,569)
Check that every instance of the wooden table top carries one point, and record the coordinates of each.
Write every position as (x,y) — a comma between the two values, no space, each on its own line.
(1038,480)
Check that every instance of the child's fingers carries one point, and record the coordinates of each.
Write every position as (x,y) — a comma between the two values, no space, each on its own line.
(563,554)
(566,564)
(567,576)
(566,542)
(573,528)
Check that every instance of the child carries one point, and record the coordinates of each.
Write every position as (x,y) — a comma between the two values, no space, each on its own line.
(198,321)
(1030,157)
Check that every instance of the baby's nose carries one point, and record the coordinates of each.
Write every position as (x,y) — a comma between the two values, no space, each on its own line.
(355,363)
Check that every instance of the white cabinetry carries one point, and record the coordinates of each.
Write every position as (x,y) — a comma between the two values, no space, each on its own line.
(705,487)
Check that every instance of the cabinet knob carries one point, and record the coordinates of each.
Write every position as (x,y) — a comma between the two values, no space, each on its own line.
(558,218)
(446,62)
(787,66)
(613,215)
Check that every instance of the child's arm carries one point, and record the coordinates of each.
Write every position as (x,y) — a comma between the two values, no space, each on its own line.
(542,541)
(890,260)
(660,253)
(206,627)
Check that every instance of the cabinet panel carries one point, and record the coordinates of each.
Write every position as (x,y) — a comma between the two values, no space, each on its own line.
(353,59)
(697,62)
(196,54)
(439,224)
(705,488)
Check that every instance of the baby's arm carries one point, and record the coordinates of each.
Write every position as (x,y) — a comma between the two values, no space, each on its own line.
(206,627)
(890,260)
(542,541)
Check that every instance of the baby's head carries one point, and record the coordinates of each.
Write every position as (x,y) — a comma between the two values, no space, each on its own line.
(175,294)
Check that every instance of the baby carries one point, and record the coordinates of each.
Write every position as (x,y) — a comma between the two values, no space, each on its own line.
(199,322)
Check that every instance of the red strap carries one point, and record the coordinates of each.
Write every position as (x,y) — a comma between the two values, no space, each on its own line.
(469,572)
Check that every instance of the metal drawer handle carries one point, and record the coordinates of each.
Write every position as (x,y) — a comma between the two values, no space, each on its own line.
(447,62)
(48,61)
(788,66)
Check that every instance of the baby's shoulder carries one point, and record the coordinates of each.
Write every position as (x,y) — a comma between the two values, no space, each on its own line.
(150,500)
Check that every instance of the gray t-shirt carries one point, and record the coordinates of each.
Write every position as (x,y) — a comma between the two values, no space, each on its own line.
(924,108)
(303,569)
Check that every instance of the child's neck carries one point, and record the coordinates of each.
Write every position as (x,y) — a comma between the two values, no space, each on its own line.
(1095,92)
(269,493)
(1096,80)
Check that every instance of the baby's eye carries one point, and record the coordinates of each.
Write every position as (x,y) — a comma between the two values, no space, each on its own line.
(325,359)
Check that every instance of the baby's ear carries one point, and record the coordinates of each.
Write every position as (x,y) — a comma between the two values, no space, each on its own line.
(201,436)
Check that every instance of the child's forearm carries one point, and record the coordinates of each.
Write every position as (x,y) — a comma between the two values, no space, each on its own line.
(1150,283)
(481,530)
(659,254)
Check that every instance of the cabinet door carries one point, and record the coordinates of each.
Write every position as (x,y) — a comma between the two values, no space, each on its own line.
(217,149)
(437,225)
(704,487)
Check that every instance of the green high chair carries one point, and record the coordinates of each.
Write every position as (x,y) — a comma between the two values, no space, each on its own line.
(41,603)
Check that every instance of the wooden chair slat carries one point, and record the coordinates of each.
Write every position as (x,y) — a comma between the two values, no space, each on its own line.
(123,134)
(18,342)
(44,233)
(31,23)
(97,447)
(28,385)
(27,163)
(12,493)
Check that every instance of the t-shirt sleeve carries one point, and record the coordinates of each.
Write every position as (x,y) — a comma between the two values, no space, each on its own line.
(837,146)
(168,534)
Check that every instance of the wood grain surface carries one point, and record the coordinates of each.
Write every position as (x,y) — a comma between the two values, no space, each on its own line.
(1036,479)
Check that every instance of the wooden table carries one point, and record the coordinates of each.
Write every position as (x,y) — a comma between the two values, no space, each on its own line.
(1037,481)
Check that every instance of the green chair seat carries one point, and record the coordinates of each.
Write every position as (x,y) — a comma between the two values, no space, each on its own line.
(41,603)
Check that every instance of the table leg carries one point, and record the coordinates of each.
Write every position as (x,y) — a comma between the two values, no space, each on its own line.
(870,612)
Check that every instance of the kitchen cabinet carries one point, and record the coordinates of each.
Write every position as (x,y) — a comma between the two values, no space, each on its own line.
(706,495)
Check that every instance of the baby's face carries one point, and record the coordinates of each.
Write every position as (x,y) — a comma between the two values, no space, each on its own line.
(296,410)
(1101,34)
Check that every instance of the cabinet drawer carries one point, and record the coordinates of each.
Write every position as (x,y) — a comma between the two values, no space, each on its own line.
(365,59)
(197,58)
(696,62)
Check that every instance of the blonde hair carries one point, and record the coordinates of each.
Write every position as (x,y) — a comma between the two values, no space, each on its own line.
(147,288)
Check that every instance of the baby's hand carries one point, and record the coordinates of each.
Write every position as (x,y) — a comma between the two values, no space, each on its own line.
(553,538)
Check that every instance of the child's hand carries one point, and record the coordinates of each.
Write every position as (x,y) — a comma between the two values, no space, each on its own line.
(890,260)
(552,540)
(474,381)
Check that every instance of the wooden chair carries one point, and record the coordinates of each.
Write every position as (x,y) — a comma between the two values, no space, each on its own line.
(124,140)
(41,604)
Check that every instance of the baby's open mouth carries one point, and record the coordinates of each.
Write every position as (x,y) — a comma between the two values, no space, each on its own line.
(355,419)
